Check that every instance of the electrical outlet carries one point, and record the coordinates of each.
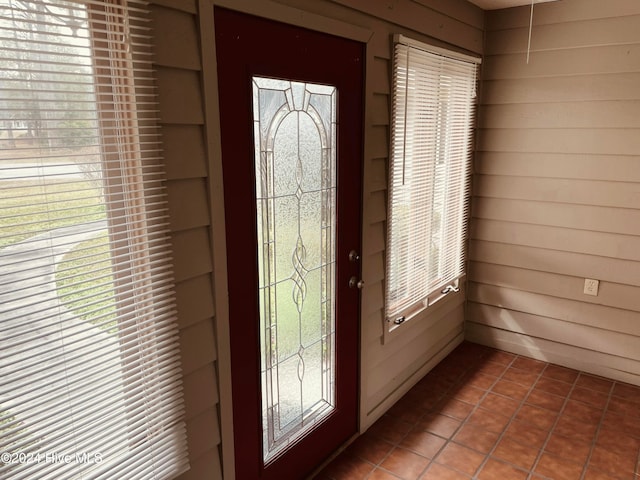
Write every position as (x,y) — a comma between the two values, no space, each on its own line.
(591,287)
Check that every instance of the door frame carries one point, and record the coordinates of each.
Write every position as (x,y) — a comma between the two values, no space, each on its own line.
(281,13)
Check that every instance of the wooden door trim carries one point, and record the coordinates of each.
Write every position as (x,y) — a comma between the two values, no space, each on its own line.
(213,146)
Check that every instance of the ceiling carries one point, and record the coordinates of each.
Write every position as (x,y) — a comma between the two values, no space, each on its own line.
(496,4)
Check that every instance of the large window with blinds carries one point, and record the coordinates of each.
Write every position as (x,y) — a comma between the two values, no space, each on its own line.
(89,360)
(433,106)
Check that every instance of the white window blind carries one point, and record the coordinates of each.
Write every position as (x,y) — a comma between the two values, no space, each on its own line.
(433,105)
(89,360)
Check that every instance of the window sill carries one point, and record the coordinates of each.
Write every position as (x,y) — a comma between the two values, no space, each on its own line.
(426,317)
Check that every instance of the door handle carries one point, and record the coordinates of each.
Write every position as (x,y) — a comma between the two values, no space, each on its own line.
(354,256)
(355,283)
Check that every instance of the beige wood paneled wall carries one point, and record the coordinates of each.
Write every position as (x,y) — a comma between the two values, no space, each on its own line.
(557,187)
(182,114)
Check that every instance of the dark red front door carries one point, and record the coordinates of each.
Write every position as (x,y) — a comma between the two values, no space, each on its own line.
(291,122)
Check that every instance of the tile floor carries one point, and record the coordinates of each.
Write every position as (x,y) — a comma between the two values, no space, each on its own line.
(485,414)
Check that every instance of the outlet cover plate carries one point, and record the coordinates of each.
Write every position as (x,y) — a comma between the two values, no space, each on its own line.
(591,287)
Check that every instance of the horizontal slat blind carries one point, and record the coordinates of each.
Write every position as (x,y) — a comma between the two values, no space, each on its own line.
(432,133)
(89,361)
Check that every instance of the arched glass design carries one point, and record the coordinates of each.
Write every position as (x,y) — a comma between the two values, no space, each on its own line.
(295,161)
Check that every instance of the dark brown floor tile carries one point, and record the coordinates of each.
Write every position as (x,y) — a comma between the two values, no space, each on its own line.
(529,364)
(434,383)
(546,400)
(470,351)
(440,472)
(584,412)
(496,470)
(490,368)
(430,399)
(563,374)
(553,386)
(498,356)
(568,448)
(612,462)
(390,429)
(540,417)
(479,380)
(407,409)
(413,395)
(460,458)
(575,428)
(433,388)
(557,468)
(500,404)
(439,424)
(379,474)
(405,464)
(430,386)
(516,453)
(510,389)
(476,438)
(491,421)
(590,397)
(626,391)
(452,407)
(449,371)
(594,383)
(623,406)
(467,393)
(370,448)
(526,434)
(346,467)
(423,443)
(521,377)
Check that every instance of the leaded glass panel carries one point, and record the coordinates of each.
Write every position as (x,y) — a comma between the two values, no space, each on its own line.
(295,162)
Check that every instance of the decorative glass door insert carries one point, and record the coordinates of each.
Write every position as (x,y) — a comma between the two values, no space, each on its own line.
(295,165)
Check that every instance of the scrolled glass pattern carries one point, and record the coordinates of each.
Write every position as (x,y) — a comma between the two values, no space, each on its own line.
(295,162)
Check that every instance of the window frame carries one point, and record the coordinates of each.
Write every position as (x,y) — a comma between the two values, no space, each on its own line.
(402,273)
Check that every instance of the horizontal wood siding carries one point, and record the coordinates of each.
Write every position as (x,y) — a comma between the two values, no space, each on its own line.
(557,187)
(391,367)
(178,66)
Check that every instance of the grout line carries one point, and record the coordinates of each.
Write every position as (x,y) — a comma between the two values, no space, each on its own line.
(597,433)
(397,444)
(437,411)
(477,406)
(513,416)
(458,428)
(553,427)
(466,420)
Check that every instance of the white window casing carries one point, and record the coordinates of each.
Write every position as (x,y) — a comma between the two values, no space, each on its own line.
(90,375)
(433,114)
